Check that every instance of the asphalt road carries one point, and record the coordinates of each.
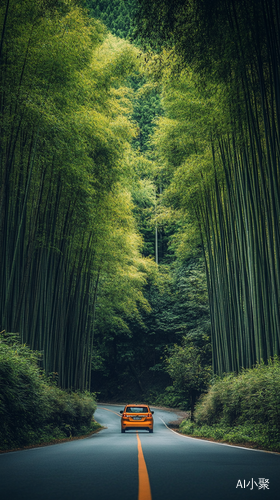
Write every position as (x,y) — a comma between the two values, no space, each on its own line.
(105,467)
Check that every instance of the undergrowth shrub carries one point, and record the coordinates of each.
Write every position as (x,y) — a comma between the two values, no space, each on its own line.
(33,410)
(242,408)
(252,396)
(170,397)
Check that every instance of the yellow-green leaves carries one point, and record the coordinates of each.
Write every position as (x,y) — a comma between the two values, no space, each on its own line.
(66,222)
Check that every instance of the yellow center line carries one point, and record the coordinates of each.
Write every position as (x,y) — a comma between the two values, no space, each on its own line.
(144,490)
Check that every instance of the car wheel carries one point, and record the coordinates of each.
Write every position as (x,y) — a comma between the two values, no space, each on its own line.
(151,430)
(123,431)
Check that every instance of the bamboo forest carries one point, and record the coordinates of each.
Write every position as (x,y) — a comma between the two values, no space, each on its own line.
(140,202)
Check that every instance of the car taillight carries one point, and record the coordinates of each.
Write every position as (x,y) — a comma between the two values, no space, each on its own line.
(149,414)
(124,415)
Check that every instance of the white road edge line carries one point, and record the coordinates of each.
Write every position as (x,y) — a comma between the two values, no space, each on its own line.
(215,442)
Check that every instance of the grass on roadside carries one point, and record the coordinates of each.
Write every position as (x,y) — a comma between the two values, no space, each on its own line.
(55,437)
(256,436)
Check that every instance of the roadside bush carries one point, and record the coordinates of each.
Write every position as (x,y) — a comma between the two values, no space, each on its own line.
(171,397)
(32,410)
(70,412)
(242,408)
(252,396)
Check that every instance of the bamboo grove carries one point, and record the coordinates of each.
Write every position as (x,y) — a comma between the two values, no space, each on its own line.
(219,144)
(70,249)
(66,225)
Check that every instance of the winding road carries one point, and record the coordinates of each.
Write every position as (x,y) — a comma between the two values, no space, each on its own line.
(139,466)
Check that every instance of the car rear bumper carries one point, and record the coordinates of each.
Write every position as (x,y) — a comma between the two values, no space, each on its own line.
(146,424)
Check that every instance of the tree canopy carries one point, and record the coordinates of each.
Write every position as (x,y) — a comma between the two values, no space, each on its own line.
(219,142)
(66,212)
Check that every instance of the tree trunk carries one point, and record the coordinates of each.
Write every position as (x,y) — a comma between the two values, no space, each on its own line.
(192,401)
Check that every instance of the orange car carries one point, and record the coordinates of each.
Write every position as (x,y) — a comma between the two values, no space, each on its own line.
(137,417)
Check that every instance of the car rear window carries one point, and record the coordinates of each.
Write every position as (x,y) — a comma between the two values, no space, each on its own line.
(137,409)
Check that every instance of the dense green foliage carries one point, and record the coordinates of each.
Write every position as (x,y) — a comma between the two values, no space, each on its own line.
(115,14)
(243,408)
(130,363)
(146,107)
(33,410)
(220,143)
(76,198)
(189,366)
(66,221)
(235,399)
(139,210)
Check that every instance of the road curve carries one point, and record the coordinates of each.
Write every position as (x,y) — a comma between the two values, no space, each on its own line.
(108,466)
